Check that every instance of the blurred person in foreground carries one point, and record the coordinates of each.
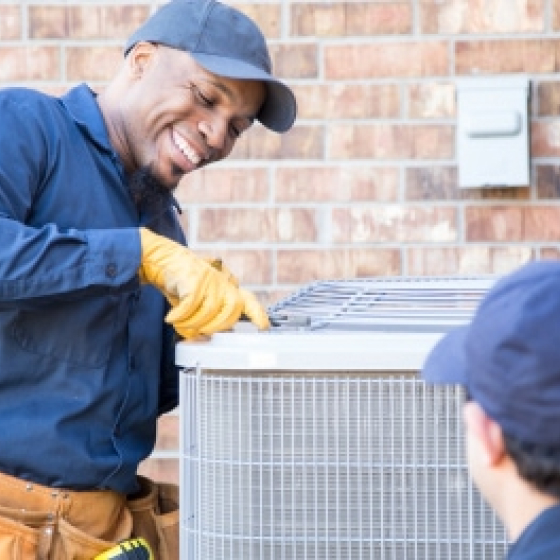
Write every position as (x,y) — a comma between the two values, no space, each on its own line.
(508,360)
(96,281)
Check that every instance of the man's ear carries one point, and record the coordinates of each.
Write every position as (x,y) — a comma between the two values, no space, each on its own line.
(140,57)
(486,432)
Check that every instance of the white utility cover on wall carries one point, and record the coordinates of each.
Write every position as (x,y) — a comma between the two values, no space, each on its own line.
(492,131)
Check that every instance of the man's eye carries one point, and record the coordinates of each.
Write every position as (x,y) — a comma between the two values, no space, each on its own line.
(201,97)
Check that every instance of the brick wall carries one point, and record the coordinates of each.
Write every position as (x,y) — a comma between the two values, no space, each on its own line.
(366,182)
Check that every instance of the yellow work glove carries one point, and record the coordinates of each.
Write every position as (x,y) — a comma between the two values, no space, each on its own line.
(217,263)
(204,300)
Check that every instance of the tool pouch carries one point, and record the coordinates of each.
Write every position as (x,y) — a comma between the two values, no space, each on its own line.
(155,514)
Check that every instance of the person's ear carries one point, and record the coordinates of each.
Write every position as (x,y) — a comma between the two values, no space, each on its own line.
(140,57)
(486,432)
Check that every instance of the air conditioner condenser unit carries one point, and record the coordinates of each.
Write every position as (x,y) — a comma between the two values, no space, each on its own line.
(317,439)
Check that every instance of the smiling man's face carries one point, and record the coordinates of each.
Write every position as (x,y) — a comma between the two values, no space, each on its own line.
(177,117)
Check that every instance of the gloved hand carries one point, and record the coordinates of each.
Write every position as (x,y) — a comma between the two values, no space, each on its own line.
(218,264)
(203,299)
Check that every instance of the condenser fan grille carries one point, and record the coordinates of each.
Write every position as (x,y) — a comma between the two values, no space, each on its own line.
(414,304)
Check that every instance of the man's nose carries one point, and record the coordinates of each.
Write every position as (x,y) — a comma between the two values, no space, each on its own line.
(215,132)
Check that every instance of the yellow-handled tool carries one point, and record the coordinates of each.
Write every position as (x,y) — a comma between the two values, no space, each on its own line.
(132,549)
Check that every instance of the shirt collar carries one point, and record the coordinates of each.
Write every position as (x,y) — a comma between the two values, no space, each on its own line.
(81,104)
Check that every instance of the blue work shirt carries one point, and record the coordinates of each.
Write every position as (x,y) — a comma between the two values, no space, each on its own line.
(86,361)
(541,538)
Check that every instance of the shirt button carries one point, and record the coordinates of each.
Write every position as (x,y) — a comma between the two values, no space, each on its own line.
(111,270)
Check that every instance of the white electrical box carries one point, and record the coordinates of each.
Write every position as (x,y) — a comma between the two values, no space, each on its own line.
(492,131)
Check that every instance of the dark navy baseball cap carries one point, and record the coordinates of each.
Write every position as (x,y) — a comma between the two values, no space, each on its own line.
(508,356)
(225,42)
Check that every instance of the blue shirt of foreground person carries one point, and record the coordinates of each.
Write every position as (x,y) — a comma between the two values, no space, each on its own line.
(508,360)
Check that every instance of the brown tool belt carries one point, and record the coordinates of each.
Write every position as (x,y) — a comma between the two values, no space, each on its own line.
(38,522)
(42,523)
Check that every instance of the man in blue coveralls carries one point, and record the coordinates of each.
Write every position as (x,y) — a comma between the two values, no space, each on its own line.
(95,278)
(508,360)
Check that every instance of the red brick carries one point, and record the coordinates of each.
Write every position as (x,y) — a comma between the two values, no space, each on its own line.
(267,17)
(347,101)
(388,141)
(506,259)
(366,19)
(545,138)
(494,223)
(301,142)
(48,22)
(431,183)
(394,224)
(326,183)
(85,22)
(257,225)
(556,15)
(495,193)
(434,261)
(548,98)
(440,183)
(542,223)
(507,55)
(431,100)
(223,185)
(488,16)
(294,61)
(548,181)
(303,266)
(10,22)
(386,60)
(440,261)
(92,63)
(350,19)
(432,142)
(29,63)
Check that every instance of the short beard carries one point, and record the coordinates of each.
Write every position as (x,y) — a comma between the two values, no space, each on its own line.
(146,189)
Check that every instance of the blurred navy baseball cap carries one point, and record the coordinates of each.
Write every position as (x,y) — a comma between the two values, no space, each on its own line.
(508,356)
(225,42)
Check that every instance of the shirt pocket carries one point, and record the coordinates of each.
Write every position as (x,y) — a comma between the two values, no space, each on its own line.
(77,332)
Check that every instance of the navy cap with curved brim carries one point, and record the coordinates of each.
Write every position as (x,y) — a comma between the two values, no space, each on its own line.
(447,362)
(508,356)
(225,42)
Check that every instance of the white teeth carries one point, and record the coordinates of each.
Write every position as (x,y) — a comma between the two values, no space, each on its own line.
(188,152)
